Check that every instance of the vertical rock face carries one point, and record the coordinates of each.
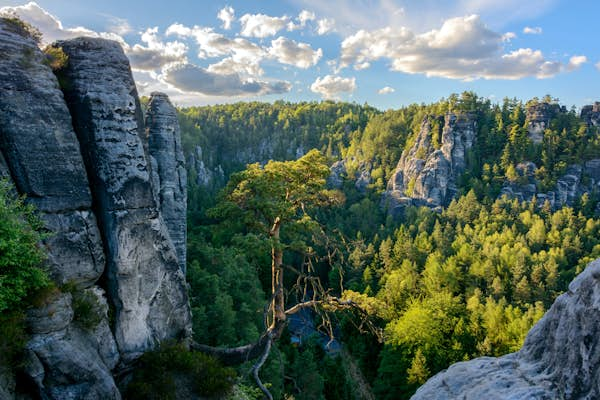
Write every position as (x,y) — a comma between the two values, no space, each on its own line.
(428,171)
(538,119)
(164,143)
(591,114)
(145,283)
(40,154)
(560,358)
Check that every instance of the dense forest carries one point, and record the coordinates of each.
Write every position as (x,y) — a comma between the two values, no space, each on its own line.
(436,286)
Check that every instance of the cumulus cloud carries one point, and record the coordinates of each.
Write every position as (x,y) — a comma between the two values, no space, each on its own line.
(302,20)
(508,36)
(155,54)
(192,78)
(386,90)
(241,55)
(330,86)
(576,61)
(51,28)
(261,25)
(532,31)
(325,25)
(288,51)
(463,48)
(227,15)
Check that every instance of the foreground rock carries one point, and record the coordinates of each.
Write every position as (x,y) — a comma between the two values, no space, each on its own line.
(145,282)
(428,171)
(560,358)
(39,154)
(42,155)
(169,173)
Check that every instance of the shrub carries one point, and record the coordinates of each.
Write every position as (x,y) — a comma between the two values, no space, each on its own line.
(56,58)
(161,370)
(20,256)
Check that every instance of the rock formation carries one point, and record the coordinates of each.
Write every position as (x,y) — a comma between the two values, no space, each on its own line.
(170,181)
(559,359)
(575,182)
(538,118)
(428,171)
(591,114)
(145,283)
(110,244)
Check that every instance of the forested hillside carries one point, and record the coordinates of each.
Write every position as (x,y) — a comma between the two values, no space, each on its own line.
(439,284)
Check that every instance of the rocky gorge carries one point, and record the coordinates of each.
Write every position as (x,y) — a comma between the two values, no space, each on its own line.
(111,190)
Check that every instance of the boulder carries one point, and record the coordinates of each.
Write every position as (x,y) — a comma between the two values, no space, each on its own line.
(560,358)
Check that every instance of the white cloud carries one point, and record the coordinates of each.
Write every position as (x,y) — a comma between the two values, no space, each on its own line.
(242,56)
(597,65)
(302,19)
(532,31)
(386,90)
(462,48)
(155,54)
(227,15)
(325,25)
(288,51)
(508,36)
(261,25)
(330,86)
(306,16)
(576,61)
(192,78)
(51,28)
(120,26)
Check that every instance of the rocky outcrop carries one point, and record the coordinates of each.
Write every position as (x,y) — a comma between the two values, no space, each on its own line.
(43,158)
(145,283)
(428,171)
(575,182)
(560,358)
(164,138)
(538,119)
(111,237)
(591,114)
(40,154)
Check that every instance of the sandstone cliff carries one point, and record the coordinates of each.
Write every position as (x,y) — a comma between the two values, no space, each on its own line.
(538,117)
(559,359)
(78,156)
(428,171)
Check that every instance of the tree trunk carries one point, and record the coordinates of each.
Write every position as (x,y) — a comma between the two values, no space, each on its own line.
(278,302)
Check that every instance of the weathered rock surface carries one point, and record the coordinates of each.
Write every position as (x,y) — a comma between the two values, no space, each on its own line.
(42,154)
(427,172)
(591,114)
(145,283)
(576,181)
(560,358)
(538,118)
(164,139)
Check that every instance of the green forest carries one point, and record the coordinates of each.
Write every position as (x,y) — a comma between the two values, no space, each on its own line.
(354,302)
(432,287)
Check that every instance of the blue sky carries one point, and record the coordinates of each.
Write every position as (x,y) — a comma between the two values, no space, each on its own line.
(387,53)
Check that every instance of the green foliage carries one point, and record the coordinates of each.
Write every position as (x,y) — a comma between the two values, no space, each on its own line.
(20,257)
(56,58)
(172,368)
